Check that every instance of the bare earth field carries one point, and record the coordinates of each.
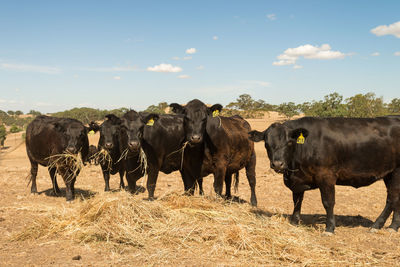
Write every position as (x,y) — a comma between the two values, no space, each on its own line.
(202,231)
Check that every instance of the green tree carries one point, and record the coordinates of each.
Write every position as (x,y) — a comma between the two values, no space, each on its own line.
(394,106)
(365,106)
(10,112)
(34,112)
(19,112)
(288,109)
(15,129)
(3,134)
(160,108)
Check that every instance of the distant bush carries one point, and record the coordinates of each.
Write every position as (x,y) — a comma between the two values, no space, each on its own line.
(86,115)
(3,134)
(15,129)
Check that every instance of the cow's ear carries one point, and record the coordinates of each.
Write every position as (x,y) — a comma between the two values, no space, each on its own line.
(256,136)
(59,127)
(149,119)
(214,110)
(299,134)
(176,108)
(93,126)
(114,119)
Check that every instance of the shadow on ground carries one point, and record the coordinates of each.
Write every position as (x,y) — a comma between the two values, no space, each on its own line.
(79,193)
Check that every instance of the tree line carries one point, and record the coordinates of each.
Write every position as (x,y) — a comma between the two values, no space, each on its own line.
(332,105)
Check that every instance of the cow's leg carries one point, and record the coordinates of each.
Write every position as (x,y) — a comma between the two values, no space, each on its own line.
(328,200)
(387,210)
(251,177)
(34,170)
(106,175)
(152,181)
(69,187)
(189,182)
(121,179)
(131,179)
(52,172)
(219,175)
(228,184)
(394,199)
(200,183)
(297,201)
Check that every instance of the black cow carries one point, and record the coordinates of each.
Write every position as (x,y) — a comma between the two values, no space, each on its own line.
(109,141)
(226,146)
(321,153)
(49,136)
(161,138)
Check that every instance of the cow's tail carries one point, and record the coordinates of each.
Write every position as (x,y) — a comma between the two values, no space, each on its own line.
(236,181)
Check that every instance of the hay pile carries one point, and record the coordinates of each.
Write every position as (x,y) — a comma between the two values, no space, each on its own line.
(103,157)
(200,228)
(67,164)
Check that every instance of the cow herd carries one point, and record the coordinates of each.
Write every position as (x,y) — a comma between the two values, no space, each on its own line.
(309,152)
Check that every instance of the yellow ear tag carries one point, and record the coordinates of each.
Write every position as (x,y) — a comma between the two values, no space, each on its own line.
(91,132)
(215,113)
(300,139)
(150,122)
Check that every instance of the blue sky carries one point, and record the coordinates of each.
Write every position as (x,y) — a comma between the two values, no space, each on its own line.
(55,55)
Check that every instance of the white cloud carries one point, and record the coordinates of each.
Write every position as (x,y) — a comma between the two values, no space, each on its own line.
(2,101)
(201,67)
(297,67)
(392,29)
(271,16)
(291,55)
(111,69)
(184,58)
(183,76)
(257,83)
(117,77)
(375,54)
(30,68)
(191,51)
(215,37)
(397,54)
(165,68)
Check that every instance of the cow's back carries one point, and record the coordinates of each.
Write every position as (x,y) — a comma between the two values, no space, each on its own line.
(353,147)
(43,140)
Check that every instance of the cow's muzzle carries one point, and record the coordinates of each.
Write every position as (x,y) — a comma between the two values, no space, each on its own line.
(134,146)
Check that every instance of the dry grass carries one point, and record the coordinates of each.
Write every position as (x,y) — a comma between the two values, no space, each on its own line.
(103,157)
(67,164)
(159,232)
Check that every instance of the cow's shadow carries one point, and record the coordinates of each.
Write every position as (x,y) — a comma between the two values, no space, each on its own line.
(312,220)
(341,220)
(79,193)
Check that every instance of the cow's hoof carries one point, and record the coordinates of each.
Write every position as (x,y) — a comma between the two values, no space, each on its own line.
(373,230)
(149,199)
(70,201)
(34,193)
(327,234)
(140,189)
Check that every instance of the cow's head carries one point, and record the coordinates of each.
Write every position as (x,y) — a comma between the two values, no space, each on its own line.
(195,114)
(280,143)
(109,132)
(75,134)
(132,127)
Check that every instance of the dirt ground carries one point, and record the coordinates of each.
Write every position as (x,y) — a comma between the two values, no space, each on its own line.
(355,211)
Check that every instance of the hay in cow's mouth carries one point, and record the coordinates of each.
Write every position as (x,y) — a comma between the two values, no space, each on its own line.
(104,158)
(67,164)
